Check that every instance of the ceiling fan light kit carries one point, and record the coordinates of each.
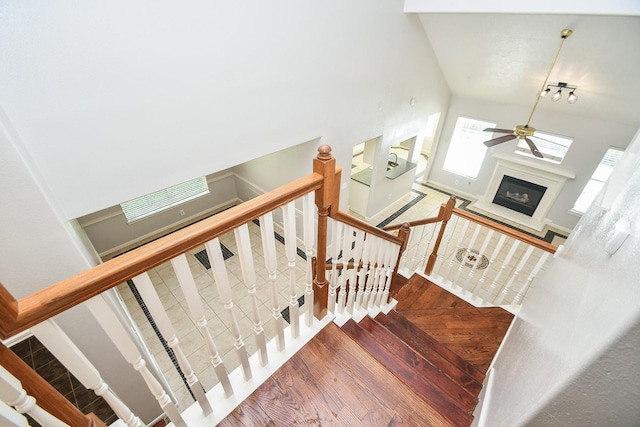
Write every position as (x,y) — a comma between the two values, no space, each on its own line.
(526,131)
(571,99)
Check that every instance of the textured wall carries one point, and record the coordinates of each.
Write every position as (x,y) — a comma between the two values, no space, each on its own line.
(576,334)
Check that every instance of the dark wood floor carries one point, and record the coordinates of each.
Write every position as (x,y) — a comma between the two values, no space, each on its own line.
(334,381)
(446,318)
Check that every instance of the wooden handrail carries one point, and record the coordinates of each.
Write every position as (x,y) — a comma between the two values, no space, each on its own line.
(444,214)
(530,240)
(357,223)
(413,223)
(18,315)
(46,396)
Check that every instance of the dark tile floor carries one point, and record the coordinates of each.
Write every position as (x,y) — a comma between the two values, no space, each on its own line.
(49,368)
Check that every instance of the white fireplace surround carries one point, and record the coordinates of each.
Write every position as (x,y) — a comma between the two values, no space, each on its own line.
(550,177)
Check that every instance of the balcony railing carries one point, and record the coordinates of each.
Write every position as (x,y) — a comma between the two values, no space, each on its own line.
(313,198)
(488,263)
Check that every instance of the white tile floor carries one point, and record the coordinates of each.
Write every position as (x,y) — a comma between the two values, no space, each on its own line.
(167,286)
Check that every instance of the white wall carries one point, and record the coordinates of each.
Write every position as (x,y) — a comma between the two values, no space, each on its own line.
(577,331)
(591,140)
(112,100)
(109,101)
(37,250)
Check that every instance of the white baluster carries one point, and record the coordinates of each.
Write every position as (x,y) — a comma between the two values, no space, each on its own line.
(523,289)
(451,228)
(363,274)
(270,261)
(373,276)
(494,254)
(9,417)
(118,335)
(353,274)
(249,277)
(490,294)
(427,249)
(214,252)
(12,393)
(461,237)
(152,300)
(408,261)
(61,346)
(190,291)
(309,214)
(473,269)
(390,263)
(346,256)
(378,284)
(472,242)
(514,276)
(290,246)
(336,229)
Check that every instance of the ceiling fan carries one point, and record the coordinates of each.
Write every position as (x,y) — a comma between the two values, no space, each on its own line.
(526,131)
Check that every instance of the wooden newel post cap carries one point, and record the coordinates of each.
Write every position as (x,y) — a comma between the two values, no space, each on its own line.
(324,152)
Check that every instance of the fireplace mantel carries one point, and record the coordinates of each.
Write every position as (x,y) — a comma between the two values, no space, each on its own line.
(545,175)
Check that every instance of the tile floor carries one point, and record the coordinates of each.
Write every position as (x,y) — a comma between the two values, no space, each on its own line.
(422,201)
(34,354)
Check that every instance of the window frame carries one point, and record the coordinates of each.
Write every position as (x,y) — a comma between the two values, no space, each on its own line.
(522,148)
(162,200)
(458,141)
(588,191)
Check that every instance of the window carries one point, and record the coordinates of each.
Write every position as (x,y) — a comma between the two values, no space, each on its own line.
(150,204)
(598,179)
(552,147)
(466,150)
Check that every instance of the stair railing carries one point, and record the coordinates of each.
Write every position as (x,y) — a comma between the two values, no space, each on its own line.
(362,267)
(487,262)
(35,311)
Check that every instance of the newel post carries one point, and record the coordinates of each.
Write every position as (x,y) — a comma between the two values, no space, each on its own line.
(444,215)
(324,165)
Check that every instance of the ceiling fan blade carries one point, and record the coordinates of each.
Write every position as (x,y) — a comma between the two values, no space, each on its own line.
(533,148)
(498,130)
(499,140)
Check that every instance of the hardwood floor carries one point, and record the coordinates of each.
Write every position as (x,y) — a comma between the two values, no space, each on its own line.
(420,366)
(333,381)
(472,333)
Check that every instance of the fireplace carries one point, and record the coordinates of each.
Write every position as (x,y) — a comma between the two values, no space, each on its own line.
(519,195)
(547,181)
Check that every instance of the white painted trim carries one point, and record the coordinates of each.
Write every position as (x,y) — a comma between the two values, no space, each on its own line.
(159,231)
(454,191)
(562,7)
(194,416)
(550,177)
(117,211)
(484,400)
(17,338)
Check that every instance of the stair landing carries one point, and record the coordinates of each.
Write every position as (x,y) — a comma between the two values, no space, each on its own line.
(473,334)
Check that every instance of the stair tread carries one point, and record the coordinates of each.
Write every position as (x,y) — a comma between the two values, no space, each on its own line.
(475,340)
(420,293)
(378,380)
(441,401)
(465,394)
(448,361)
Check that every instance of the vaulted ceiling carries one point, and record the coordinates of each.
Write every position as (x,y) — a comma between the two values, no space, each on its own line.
(504,57)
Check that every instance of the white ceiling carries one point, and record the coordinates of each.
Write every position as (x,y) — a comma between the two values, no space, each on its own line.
(505,58)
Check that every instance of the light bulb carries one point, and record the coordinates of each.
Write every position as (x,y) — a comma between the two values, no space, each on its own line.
(572,98)
(544,92)
(556,96)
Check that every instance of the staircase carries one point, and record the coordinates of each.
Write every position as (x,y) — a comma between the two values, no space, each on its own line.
(397,369)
